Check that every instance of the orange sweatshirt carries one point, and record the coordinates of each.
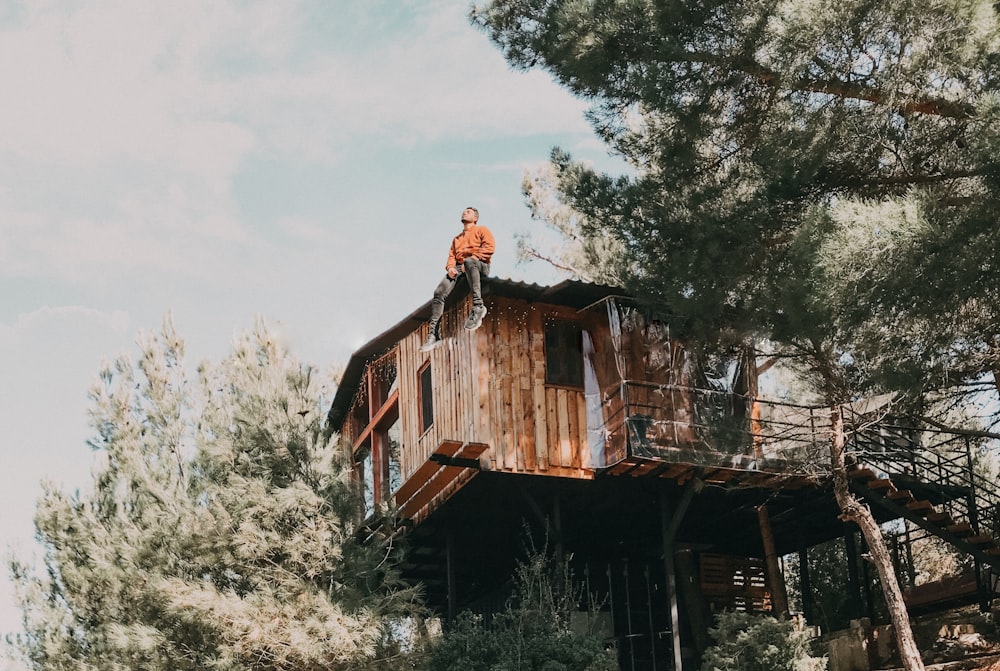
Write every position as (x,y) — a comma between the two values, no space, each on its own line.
(477,241)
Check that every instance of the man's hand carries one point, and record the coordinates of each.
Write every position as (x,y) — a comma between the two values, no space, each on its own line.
(453,272)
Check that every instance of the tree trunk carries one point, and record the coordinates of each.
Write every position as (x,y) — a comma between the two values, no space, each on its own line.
(854,511)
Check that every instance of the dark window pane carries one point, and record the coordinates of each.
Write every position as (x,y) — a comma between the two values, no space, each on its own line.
(563,353)
(426,399)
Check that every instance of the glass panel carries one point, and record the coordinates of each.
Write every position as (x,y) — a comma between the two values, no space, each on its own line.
(363,459)
(394,446)
(563,353)
(426,399)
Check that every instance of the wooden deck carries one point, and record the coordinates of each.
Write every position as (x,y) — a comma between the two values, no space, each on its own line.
(703,469)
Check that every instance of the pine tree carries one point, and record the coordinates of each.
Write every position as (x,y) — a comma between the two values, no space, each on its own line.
(221,531)
(763,136)
(785,153)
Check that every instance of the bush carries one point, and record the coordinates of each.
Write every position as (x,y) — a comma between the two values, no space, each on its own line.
(747,642)
(532,634)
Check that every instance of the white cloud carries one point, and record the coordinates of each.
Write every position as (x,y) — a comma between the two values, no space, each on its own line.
(306,230)
(27,326)
(142,114)
(190,83)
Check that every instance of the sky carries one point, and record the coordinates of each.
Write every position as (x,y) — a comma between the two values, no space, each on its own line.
(301,161)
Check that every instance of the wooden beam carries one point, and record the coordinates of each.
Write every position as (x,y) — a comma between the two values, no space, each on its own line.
(435,477)
(391,403)
(424,473)
(779,597)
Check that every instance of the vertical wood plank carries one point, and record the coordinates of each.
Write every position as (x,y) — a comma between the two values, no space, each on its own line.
(479,348)
(515,348)
(538,387)
(552,425)
(526,429)
(505,381)
(565,449)
(407,404)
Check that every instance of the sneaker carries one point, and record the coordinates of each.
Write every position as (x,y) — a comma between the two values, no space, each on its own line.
(475,319)
(430,343)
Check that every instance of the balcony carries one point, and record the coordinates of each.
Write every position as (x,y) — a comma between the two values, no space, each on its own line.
(712,430)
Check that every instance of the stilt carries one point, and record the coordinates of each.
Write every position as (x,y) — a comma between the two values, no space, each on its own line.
(670,523)
(675,619)
(806,585)
(775,580)
(628,615)
(853,579)
(649,612)
(450,571)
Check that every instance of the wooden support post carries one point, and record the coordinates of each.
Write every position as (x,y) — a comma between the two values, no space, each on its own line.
(853,579)
(983,590)
(866,581)
(557,531)
(775,580)
(670,523)
(450,573)
(805,585)
(695,607)
(911,571)
(668,564)
(649,613)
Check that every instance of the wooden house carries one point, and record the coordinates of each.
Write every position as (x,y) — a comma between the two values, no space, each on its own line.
(574,417)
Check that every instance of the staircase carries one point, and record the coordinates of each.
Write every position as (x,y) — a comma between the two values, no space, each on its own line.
(928,478)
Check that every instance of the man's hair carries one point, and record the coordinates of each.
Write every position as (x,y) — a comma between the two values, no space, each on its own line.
(474,210)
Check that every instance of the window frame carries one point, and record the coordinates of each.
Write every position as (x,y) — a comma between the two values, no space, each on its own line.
(570,373)
(425,397)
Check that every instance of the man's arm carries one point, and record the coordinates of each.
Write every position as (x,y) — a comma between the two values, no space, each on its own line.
(487,245)
(449,267)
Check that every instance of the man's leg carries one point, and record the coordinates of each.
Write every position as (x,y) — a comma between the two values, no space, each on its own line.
(444,288)
(475,270)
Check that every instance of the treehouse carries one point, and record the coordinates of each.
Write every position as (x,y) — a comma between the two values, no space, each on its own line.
(575,418)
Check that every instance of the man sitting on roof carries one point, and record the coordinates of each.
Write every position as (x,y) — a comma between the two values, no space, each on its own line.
(469,255)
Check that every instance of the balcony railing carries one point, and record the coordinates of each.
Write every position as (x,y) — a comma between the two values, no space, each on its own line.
(713,428)
(718,429)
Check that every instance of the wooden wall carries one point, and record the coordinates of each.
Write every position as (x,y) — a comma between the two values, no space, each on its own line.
(458,389)
(489,387)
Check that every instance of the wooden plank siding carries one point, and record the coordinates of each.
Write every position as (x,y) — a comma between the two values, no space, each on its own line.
(489,387)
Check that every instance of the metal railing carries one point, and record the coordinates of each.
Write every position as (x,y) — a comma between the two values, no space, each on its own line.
(940,465)
(714,428)
(725,430)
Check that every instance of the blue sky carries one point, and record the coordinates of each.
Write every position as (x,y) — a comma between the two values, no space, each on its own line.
(302,161)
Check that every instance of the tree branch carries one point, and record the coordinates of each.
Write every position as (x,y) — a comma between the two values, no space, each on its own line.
(835,87)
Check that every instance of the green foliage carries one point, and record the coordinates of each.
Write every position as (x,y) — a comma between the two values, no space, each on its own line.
(832,601)
(747,642)
(221,530)
(534,633)
(807,172)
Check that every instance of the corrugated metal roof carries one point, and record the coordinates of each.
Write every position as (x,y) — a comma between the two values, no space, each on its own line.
(570,293)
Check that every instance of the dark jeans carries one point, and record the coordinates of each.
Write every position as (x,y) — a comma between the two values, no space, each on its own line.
(475,270)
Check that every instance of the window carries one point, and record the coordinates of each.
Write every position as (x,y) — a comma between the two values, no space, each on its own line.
(395,474)
(364,469)
(426,401)
(563,353)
